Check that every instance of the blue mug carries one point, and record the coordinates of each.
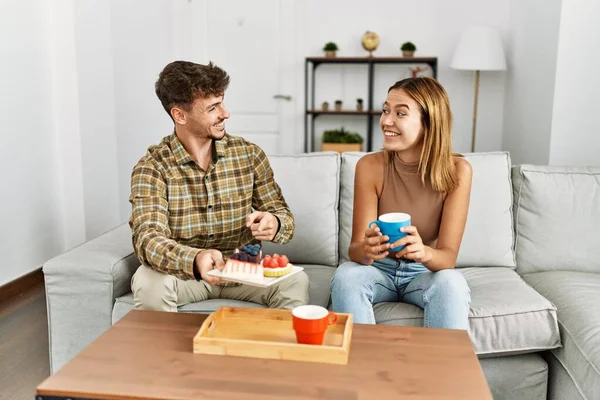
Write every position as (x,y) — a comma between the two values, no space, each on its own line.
(390,224)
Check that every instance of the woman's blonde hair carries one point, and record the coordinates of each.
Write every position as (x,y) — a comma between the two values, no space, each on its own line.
(436,162)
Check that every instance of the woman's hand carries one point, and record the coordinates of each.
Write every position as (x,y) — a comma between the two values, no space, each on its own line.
(375,245)
(414,248)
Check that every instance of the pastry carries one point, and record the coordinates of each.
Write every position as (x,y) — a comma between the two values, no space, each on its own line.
(276,266)
(251,253)
(244,263)
(243,270)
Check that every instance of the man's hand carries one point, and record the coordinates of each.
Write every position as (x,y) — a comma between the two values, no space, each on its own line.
(207,260)
(264,225)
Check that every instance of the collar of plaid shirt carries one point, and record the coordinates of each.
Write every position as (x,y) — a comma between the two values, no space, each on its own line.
(183,157)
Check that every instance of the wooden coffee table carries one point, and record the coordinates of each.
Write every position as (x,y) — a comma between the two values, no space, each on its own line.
(149,355)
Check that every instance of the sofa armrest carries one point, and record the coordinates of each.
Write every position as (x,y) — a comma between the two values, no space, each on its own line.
(81,287)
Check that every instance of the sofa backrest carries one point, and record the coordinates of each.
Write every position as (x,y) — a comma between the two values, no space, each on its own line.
(310,184)
(488,237)
(349,160)
(557,218)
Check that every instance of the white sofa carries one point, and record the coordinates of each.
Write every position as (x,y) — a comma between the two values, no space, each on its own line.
(514,329)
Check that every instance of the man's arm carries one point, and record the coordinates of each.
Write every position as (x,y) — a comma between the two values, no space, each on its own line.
(267,196)
(150,225)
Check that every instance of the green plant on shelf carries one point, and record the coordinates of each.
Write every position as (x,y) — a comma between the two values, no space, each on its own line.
(341,136)
(408,46)
(330,46)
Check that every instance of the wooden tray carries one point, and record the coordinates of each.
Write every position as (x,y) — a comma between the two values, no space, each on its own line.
(268,333)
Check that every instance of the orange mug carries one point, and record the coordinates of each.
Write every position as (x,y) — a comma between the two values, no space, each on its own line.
(311,322)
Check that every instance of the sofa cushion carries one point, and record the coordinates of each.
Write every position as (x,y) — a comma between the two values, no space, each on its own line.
(319,277)
(310,184)
(507,316)
(557,215)
(560,384)
(520,377)
(124,304)
(488,237)
(349,160)
(577,296)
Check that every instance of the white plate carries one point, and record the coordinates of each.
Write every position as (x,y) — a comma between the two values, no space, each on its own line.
(265,282)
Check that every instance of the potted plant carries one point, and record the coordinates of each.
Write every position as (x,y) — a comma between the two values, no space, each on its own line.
(408,49)
(330,48)
(359,104)
(325,106)
(341,140)
(338,105)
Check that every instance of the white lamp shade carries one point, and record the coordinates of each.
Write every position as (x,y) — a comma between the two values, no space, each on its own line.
(479,48)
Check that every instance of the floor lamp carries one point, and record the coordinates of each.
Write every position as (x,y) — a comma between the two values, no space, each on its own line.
(479,49)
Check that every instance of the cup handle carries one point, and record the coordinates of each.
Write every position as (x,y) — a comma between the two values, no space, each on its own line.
(330,319)
(373,222)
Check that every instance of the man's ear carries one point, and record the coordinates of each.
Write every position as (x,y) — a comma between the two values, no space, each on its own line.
(178,115)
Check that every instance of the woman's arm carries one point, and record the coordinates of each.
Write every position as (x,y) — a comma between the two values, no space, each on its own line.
(452,227)
(454,219)
(368,182)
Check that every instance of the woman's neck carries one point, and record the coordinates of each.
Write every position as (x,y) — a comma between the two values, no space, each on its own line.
(410,156)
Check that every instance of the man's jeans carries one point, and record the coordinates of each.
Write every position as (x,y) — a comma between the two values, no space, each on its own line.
(444,295)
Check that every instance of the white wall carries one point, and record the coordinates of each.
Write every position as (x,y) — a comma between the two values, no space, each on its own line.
(143,42)
(30,209)
(532,55)
(96,90)
(575,138)
(60,36)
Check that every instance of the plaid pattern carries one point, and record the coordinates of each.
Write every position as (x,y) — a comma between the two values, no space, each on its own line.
(180,209)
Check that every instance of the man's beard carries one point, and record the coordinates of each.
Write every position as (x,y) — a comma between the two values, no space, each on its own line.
(214,136)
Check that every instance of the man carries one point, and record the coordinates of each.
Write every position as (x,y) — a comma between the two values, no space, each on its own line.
(192,197)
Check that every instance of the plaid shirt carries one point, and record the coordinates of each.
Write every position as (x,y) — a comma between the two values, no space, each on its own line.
(180,209)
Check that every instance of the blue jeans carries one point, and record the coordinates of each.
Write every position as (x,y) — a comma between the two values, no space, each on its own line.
(444,296)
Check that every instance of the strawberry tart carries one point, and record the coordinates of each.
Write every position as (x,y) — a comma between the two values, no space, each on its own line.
(276,266)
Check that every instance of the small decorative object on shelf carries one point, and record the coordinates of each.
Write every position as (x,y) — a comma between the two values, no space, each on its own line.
(325,106)
(341,140)
(338,105)
(359,104)
(370,41)
(330,48)
(416,72)
(408,49)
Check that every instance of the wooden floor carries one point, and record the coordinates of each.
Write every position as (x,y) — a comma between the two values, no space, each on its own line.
(23,344)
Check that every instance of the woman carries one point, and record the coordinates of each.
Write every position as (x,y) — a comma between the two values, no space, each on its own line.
(416,173)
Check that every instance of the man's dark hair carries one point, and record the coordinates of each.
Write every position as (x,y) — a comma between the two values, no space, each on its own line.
(182,82)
